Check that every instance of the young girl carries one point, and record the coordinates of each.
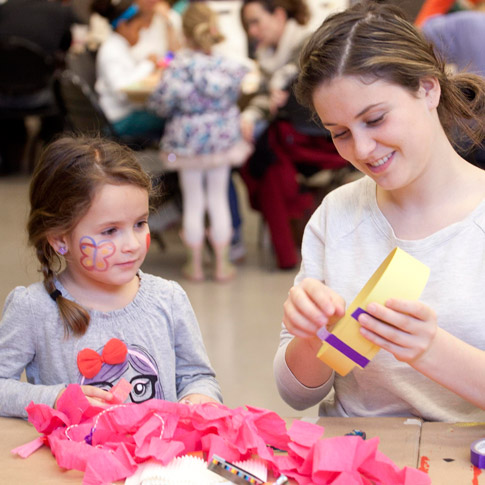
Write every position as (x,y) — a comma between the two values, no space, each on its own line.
(117,68)
(97,317)
(198,94)
(391,108)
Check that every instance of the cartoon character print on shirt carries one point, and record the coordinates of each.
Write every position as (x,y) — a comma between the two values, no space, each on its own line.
(106,366)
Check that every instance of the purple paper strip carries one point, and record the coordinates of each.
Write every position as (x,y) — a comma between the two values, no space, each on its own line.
(323,333)
(346,350)
(357,312)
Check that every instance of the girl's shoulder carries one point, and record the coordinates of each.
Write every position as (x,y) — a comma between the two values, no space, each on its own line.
(159,290)
(33,298)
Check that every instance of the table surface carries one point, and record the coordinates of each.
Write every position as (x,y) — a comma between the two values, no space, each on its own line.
(440,449)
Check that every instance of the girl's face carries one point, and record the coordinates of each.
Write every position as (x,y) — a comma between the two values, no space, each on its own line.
(130,29)
(264,27)
(382,129)
(109,244)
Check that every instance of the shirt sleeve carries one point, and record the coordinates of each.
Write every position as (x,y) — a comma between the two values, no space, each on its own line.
(292,391)
(194,373)
(17,350)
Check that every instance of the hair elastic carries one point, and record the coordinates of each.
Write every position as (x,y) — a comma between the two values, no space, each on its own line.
(128,14)
(55,294)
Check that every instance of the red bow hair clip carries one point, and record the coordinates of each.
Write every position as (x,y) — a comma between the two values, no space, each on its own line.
(89,362)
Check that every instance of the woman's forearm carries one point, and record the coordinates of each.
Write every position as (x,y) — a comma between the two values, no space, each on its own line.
(301,358)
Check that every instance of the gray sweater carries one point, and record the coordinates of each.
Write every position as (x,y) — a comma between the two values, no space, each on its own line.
(166,356)
(344,242)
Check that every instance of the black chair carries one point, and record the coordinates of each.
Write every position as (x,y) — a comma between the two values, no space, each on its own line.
(27,69)
(80,107)
(82,112)
(84,65)
(26,90)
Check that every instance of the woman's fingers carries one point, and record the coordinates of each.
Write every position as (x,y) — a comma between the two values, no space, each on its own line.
(309,306)
(404,328)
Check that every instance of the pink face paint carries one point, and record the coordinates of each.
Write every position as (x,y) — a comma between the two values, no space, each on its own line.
(95,255)
(148,241)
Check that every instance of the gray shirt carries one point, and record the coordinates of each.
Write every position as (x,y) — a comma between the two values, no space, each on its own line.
(166,356)
(344,242)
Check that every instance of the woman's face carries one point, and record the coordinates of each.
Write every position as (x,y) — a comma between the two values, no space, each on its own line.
(147,6)
(264,27)
(382,129)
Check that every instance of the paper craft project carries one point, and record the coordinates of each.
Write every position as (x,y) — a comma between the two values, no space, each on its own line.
(110,444)
(399,276)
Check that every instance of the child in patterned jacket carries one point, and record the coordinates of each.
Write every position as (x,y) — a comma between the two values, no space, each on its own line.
(198,96)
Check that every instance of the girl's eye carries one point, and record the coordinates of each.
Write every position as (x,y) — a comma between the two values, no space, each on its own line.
(109,232)
(141,224)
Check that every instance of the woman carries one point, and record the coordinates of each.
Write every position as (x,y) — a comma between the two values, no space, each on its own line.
(391,108)
(277,29)
(162,33)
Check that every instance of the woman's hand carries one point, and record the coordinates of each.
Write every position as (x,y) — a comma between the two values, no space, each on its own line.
(96,396)
(277,99)
(197,399)
(247,129)
(311,305)
(404,328)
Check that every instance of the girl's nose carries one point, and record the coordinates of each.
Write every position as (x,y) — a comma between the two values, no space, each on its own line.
(131,242)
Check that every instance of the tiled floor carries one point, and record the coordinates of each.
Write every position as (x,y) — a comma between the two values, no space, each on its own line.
(239,320)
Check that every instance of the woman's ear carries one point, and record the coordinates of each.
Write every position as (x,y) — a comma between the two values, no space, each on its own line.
(430,90)
(280,14)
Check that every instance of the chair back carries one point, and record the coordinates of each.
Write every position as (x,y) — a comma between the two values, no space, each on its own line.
(26,68)
(80,106)
(84,65)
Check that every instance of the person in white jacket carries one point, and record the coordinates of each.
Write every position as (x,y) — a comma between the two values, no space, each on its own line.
(117,68)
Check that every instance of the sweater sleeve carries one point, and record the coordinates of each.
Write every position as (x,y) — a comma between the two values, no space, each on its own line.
(292,391)
(17,351)
(194,373)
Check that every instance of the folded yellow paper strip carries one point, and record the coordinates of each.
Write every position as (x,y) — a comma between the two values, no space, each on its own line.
(399,276)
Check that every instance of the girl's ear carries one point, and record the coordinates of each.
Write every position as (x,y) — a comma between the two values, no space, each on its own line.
(430,90)
(58,244)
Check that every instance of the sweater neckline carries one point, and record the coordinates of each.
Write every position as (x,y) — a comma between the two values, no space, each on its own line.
(434,239)
(110,313)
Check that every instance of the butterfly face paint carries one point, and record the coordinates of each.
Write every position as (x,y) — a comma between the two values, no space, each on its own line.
(148,241)
(95,255)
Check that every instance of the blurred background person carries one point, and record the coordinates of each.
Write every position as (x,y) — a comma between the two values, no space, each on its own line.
(117,68)
(277,30)
(162,33)
(198,94)
(459,38)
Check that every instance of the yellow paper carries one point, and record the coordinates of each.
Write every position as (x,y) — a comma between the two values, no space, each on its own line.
(399,276)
